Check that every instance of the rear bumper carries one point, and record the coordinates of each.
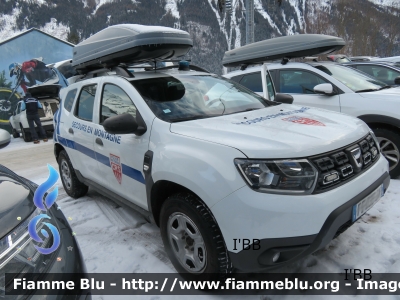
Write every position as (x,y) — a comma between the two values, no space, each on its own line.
(294,248)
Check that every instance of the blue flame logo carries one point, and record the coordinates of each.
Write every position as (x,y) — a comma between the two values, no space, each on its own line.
(49,201)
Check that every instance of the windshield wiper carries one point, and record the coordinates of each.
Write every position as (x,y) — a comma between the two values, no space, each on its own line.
(367,90)
(249,109)
(195,117)
(385,87)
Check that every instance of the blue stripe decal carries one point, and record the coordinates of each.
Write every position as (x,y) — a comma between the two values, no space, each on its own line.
(103,159)
(132,173)
(126,170)
(84,150)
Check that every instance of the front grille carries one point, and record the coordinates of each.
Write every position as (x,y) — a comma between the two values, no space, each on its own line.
(342,165)
(41,113)
(54,107)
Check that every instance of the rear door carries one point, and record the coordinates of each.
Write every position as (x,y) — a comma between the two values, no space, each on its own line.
(76,128)
(300,84)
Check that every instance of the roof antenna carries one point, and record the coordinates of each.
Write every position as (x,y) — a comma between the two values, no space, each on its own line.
(284,61)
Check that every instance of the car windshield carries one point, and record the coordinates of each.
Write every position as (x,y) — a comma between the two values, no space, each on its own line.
(353,79)
(188,97)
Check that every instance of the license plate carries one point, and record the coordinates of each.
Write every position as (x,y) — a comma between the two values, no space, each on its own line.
(364,205)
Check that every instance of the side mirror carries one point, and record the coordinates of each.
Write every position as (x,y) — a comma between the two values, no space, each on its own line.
(283,98)
(397,80)
(125,123)
(121,124)
(324,88)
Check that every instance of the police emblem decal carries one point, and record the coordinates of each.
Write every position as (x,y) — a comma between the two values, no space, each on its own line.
(304,121)
(115,163)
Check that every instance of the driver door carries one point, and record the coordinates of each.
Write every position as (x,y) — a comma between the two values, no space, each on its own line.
(300,84)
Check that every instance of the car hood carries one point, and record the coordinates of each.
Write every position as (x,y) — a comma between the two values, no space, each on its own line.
(16,203)
(281,131)
(392,92)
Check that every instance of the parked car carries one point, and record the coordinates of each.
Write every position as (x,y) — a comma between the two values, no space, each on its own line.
(339,88)
(5,138)
(17,252)
(363,58)
(209,161)
(339,58)
(392,59)
(387,72)
(48,95)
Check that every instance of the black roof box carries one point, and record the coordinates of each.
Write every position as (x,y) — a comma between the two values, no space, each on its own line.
(128,44)
(290,46)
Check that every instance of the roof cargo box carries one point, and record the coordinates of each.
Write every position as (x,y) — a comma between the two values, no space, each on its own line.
(128,44)
(291,46)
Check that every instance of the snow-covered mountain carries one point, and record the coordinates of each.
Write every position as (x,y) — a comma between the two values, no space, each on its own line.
(213,32)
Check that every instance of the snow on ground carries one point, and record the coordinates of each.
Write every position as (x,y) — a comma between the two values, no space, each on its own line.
(119,240)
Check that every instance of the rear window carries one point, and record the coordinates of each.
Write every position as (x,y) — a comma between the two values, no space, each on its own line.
(84,107)
(69,99)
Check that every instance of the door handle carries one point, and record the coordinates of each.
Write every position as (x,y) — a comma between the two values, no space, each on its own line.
(71,131)
(99,141)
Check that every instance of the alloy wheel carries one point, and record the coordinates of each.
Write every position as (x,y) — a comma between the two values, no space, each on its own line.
(66,174)
(187,243)
(389,151)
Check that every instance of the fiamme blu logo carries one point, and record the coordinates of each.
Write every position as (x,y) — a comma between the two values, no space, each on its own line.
(45,206)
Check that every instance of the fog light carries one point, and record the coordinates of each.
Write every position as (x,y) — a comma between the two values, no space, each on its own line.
(276,257)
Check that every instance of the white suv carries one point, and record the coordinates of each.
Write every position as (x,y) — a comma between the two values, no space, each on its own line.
(217,167)
(335,87)
(48,97)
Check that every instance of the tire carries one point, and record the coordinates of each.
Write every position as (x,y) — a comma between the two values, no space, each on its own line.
(213,261)
(70,181)
(15,133)
(389,142)
(26,135)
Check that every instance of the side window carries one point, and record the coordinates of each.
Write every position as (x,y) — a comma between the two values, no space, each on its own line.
(366,69)
(69,99)
(252,82)
(84,107)
(114,101)
(298,82)
(381,73)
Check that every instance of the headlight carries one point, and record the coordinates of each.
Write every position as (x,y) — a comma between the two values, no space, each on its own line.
(375,139)
(293,177)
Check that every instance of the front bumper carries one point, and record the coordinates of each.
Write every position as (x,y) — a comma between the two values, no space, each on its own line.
(294,248)
(295,226)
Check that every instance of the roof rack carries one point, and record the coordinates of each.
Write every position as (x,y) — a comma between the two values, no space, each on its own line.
(189,66)
(129,44)
(285,48)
